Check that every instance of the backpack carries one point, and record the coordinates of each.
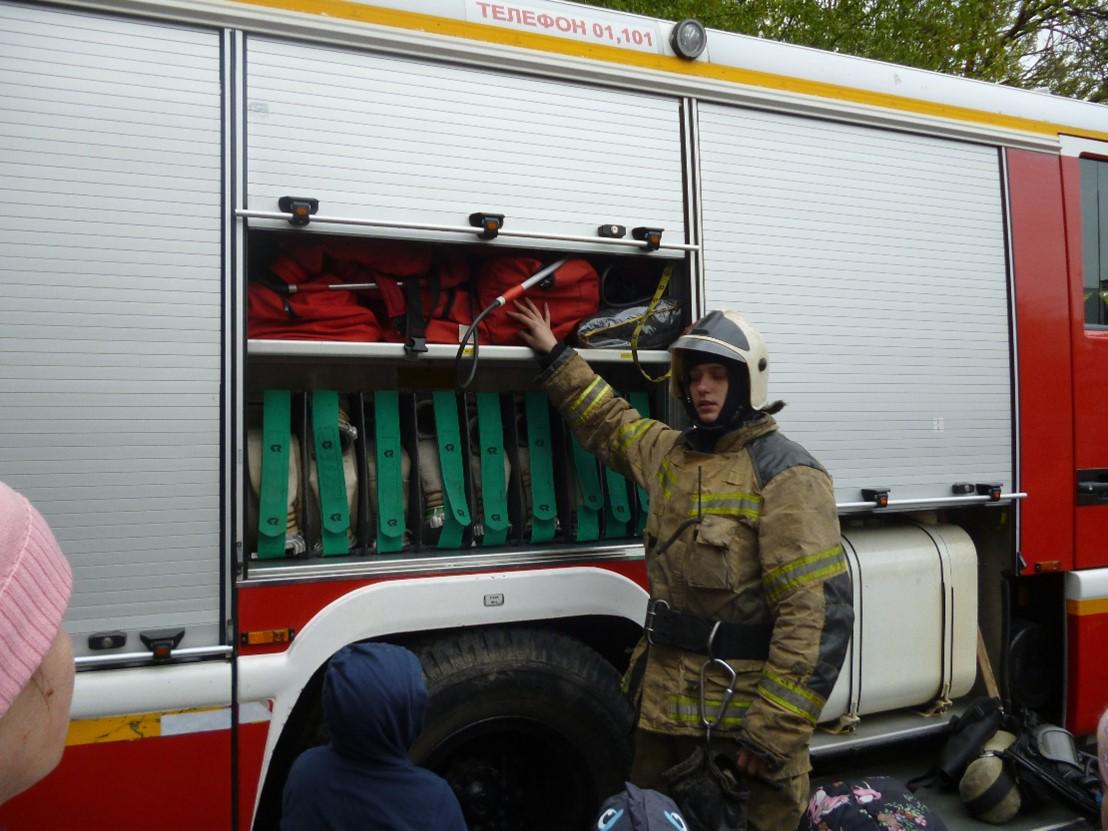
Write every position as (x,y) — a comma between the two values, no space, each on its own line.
(635,809)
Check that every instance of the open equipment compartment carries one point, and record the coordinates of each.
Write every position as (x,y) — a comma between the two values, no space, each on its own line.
(366,373)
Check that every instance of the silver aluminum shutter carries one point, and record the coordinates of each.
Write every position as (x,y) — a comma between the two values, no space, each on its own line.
(873,262)
(110,310)
(383,138)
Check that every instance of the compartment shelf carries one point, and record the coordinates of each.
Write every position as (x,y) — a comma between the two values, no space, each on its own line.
(436,352)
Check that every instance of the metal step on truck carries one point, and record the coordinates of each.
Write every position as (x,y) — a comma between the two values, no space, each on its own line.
(248,477)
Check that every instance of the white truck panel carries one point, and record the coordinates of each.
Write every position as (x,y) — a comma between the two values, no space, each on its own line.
(110,344)
(383,138)
(873,263)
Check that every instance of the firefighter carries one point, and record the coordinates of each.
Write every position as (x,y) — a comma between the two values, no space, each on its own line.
(743,556)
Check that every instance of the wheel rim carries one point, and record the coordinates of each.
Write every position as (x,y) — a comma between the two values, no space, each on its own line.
(516,774)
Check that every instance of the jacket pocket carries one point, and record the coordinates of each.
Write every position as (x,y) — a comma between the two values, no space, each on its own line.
(709,565)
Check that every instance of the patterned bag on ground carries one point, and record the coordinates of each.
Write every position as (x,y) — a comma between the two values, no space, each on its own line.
(872,804)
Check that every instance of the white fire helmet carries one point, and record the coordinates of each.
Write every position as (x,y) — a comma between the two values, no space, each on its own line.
(728,335)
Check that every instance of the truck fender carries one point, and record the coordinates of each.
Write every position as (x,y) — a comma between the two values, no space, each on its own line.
(428,604)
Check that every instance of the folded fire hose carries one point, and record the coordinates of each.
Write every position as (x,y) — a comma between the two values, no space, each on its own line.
(494,471)
(540,455)
(333,477)
(389,470)
(590,495)
(273,455)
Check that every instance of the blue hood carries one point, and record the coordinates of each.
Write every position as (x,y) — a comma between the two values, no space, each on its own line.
(374,700)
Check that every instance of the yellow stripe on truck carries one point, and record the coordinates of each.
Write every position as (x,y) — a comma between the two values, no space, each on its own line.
(134,726)
(124,728)
(1096,606)
(376,15)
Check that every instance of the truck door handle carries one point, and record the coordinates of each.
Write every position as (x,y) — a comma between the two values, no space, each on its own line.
(1092,487)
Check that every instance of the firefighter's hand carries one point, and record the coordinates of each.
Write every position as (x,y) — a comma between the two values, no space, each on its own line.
(752,765)
(534,326)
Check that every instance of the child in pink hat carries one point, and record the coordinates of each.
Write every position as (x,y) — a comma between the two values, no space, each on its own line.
(36,656)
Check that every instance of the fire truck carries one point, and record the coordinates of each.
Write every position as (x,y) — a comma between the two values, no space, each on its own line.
(927,257)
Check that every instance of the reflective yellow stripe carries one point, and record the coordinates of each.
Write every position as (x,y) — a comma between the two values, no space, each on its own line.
(792,697)
(666,477)
(593,394)
(631,433)
(376,15)
(601,394)
(686,709)
(577,401)
(728,504)
(803,570)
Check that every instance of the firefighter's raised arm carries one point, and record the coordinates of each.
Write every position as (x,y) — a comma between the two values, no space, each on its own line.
(605,424)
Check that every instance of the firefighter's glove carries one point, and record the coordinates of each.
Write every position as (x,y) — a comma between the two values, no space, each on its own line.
(709,790)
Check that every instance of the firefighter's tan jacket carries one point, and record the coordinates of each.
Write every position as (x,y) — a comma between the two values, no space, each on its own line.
(766,551)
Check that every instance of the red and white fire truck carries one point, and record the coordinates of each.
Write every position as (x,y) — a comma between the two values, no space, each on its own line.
(927,257)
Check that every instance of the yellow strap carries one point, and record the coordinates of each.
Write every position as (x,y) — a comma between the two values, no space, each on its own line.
(658,292)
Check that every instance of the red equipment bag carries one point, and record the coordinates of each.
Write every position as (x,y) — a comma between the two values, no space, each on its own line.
(381,261)
(575,294)
(446,299)
(313,312)
(445,305)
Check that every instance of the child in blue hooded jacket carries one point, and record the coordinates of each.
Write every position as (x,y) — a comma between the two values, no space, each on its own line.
(374,701)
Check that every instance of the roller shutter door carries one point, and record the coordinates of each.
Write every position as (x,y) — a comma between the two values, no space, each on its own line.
(874,264)
(382,138)
(110,341)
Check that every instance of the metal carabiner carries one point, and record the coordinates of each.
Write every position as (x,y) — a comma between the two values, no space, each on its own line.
(728,694)
(651,613)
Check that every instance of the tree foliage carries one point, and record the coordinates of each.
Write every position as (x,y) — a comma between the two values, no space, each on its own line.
(1061,45)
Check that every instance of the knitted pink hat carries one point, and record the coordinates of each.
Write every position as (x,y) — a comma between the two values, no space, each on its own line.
(35,582)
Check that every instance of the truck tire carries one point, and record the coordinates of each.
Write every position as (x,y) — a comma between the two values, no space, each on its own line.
(528,726)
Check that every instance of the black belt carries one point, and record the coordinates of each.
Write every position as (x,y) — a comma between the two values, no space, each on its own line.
(714,638)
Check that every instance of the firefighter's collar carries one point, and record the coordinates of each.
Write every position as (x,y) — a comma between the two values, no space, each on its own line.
(737,438)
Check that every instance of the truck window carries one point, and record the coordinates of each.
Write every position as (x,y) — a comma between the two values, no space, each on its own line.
(1094,225)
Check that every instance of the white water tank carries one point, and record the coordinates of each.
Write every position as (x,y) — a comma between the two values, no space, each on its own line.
(915,624)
